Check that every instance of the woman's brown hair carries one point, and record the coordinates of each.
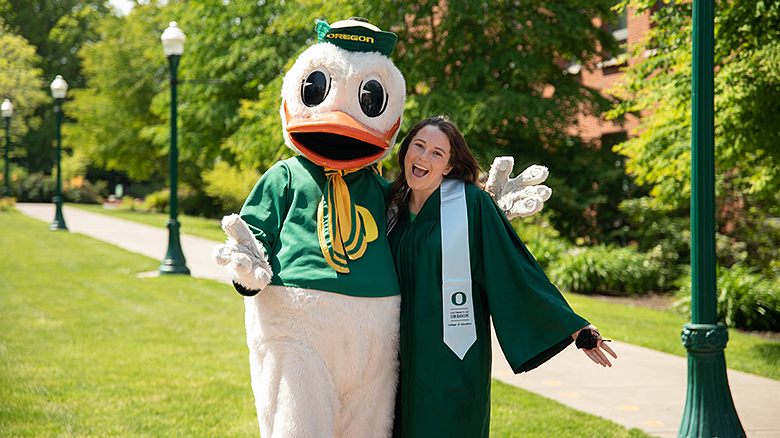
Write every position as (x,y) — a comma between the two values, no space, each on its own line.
(464,165)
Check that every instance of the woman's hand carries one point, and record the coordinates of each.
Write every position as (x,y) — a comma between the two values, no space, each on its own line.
(596,354)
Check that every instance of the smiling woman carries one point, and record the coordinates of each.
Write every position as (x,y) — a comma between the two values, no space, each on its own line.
(460,265)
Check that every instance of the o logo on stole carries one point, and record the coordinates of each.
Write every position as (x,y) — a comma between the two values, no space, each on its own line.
(458,298)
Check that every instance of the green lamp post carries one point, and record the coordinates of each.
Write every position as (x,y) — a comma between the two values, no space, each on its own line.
(709,410)
(174,263)
(7,110)
(59,89)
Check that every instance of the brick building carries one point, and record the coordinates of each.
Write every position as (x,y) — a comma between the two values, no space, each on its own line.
(629,31)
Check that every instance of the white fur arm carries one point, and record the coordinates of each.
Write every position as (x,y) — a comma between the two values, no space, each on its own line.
(242,255)
(522,195)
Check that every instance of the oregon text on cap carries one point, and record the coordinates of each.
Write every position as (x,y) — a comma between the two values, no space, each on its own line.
(342,36)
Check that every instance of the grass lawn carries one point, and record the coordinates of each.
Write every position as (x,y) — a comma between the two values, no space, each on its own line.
(89,349)
(655,329)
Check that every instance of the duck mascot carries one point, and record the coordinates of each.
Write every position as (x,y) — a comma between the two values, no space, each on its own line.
(309,250)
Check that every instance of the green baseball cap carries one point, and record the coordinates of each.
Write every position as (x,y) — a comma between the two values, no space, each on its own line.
(357,36)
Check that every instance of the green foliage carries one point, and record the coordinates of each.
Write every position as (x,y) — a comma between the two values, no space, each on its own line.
(230,185)
(494,69)
(126,71)
(39,187)
(747,114)
(129,203)
(746,299)
(541,239)
(85,192)
(156,202)
(7,204)
(35,187)
(190,201)
(22,84)
(606,269)
(58,29)
(665,232)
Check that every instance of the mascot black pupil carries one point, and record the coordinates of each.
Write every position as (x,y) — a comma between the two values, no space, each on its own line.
(314,89)
(372,98)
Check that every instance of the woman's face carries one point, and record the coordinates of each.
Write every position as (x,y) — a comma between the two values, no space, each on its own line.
(427,160)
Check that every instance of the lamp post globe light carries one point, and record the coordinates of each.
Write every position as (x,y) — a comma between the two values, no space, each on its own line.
(173,47)
(59,89)
(7,110)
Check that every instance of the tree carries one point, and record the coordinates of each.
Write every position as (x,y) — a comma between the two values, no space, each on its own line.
(747,116)
(126,71)
(21,82)
(58,29)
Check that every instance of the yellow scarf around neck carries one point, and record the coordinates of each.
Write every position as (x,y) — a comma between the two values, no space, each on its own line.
(337,218)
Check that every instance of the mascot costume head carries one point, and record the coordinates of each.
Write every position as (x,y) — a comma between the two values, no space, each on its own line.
(343,99)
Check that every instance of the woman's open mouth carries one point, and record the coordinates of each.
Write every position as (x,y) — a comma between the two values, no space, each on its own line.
(419,171)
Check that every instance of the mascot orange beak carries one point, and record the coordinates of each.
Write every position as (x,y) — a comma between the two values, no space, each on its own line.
(336,140)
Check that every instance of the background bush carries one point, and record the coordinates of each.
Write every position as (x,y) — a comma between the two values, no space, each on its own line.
(230,185)
(606,269)
(86,193)
(541,239)
(746,298)
(35,187)
(156,202)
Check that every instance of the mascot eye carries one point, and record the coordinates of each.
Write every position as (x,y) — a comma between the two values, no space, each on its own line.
(373,99)
(315,88)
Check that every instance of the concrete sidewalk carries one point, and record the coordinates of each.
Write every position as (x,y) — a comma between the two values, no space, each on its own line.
(644,389)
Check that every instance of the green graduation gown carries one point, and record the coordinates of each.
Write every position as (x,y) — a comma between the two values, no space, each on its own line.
(439,394)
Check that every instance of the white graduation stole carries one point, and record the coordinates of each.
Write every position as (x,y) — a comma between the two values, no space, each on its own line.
(460,331)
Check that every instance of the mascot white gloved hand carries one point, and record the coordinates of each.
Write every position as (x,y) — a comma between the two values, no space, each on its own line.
(523,195)
(309,249)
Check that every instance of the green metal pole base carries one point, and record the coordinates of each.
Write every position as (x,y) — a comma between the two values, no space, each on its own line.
(6,192)
(59,219)
(709,409)
(174,262)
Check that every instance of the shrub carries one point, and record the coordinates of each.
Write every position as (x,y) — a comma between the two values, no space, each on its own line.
(230,185)
(197,203)
(663,232)
(606,269)
(130,204)
(746,299)
(86,193)
(541,239)
(7,203)
(35,187)
(157,202)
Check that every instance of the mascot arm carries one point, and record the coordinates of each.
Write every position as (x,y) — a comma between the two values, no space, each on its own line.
(522,195)
(243,257)
(252,234)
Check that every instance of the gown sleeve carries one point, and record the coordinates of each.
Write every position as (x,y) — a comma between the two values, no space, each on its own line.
(532,320)
(265,209)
